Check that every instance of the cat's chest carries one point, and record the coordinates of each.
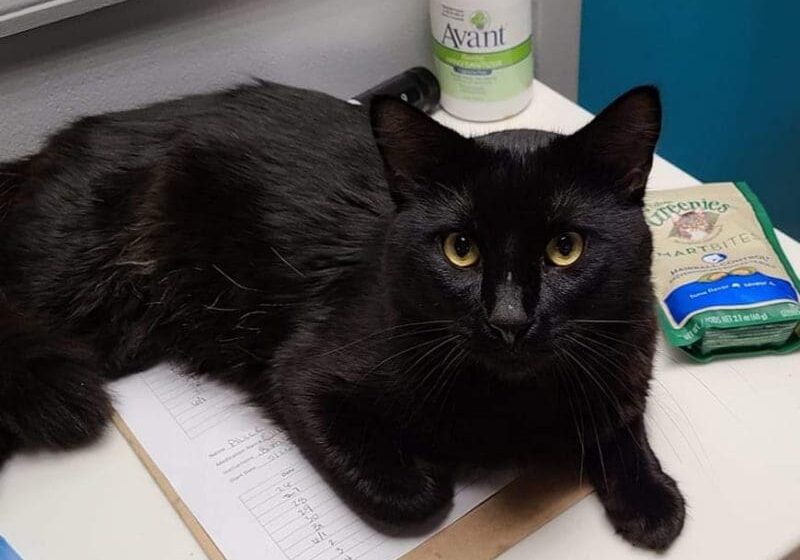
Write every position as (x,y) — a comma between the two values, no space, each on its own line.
(486,422)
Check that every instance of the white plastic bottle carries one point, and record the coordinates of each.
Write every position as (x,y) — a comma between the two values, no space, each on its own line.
(483,56)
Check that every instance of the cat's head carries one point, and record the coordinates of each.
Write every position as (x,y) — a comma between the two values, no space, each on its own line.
(524,240)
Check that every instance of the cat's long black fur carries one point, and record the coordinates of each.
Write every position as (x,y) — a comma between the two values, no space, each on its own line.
(291,244)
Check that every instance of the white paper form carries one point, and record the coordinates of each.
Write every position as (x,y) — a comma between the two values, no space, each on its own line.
(248,485)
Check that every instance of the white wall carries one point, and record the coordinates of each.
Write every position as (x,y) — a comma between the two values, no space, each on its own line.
(557,40)
(147,50)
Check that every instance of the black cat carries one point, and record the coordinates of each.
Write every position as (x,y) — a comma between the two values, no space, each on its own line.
(400,298)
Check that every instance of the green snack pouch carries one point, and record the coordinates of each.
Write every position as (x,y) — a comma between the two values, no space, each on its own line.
(723,285)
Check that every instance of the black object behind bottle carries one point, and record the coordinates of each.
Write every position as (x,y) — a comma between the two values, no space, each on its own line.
(417,86)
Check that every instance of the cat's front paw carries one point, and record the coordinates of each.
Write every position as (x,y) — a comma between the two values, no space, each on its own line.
(648,513)
(406,495)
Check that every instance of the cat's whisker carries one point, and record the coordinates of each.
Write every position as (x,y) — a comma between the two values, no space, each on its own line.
(356,382)
(666,412)
(451,379)
(568,389)
(684,414)
(445,329)
(588,344)
(612,364)
(607,392)
(591,415)
(430,351)
(608,365)
(636,347)
(713,394)
(677,427)
(596,354)
(614,376)
(662,353)
(443,322)
(427,375)
(401,353)
(606,389)
(441,381)
(455,371)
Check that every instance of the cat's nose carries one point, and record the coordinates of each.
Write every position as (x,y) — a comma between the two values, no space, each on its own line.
(511,332)
(508,318)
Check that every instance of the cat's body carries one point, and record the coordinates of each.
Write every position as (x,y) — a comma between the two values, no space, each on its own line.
(259,237)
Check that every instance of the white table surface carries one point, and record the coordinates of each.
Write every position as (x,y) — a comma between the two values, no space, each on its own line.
(729,432)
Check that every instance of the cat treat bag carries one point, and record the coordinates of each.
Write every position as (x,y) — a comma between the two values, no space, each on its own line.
(723,285)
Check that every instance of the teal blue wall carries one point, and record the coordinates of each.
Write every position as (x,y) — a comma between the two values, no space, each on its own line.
(729,74)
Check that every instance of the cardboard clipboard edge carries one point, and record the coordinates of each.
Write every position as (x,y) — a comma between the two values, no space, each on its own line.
(183,511)
(548,493)
(518,510)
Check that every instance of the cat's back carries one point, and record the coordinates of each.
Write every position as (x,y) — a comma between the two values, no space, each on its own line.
(293,133)
(266,168)
(261,169)
(314,165)
(301,157)
(293,127)
(314,146)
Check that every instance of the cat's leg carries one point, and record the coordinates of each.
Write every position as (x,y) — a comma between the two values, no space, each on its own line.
(51,396)
(642,502)
(361,457)
(367,463)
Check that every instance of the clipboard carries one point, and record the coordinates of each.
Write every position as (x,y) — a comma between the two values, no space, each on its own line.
(491,528)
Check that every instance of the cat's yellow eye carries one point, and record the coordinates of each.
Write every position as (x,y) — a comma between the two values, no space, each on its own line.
(461,250)
(565,248)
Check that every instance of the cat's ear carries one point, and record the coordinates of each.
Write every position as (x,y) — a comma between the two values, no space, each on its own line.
(621,140)
(416,150)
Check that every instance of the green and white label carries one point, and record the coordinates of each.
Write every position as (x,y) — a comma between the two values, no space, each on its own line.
(482,53)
